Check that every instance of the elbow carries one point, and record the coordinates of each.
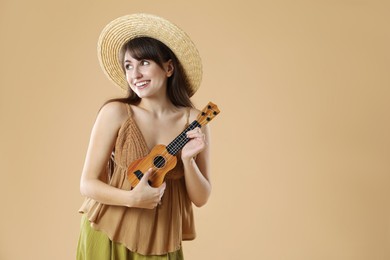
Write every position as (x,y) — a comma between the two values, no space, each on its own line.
(200,202)
(83,188)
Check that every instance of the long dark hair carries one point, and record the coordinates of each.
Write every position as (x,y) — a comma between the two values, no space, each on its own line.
(152,49)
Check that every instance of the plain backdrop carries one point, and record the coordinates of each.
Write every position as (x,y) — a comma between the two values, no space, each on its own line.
(300,151)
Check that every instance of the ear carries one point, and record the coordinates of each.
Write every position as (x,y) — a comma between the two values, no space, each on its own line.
(169,68)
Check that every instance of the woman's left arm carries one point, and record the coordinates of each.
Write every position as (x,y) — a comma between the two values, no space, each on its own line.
(197,171)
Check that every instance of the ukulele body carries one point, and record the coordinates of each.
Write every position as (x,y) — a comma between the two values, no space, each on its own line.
(159,160)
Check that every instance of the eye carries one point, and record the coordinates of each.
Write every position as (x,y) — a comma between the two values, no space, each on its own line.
(128,66)
(145,62)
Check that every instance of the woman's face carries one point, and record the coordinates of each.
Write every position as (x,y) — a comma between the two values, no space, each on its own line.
(145,77)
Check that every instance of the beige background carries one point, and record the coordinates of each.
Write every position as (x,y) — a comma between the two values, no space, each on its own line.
(301,149)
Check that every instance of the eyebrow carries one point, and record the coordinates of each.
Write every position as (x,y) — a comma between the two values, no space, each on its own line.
(135,59)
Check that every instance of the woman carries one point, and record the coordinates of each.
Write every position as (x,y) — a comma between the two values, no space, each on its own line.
(159,66)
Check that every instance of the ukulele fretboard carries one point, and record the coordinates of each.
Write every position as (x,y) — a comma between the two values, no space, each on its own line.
(175,146)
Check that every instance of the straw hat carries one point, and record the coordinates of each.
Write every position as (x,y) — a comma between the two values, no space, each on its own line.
(123,29)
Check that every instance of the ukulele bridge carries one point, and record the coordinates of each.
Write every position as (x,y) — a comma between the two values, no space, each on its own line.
(139,176)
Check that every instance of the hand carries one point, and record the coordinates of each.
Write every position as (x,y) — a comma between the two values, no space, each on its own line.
(145,196)
(195,145)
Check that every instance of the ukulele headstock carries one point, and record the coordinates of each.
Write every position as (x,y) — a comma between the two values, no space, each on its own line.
(207,113)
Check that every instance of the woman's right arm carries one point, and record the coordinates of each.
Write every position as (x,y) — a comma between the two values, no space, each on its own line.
(102,141)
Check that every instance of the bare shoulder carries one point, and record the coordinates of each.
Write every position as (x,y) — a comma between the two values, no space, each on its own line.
(114,113)
(194,113)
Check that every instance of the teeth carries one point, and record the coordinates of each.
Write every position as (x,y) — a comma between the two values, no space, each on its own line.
(140,84)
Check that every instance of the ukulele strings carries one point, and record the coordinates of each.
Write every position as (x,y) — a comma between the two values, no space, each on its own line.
(204,120)
(182,141)
(161,163)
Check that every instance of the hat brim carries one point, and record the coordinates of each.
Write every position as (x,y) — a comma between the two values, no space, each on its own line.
(125,28)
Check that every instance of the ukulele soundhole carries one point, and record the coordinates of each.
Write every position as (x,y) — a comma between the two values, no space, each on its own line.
(159,161)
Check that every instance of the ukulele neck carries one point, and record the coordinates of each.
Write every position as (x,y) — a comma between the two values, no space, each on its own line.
(175,146)
(206,115)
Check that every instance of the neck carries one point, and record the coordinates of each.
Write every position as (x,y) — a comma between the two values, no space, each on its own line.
(157,106)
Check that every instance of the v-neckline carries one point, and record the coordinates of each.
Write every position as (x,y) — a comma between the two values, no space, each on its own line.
(143,140)
(139,132)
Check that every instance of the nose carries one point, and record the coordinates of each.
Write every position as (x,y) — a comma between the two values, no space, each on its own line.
(135,73)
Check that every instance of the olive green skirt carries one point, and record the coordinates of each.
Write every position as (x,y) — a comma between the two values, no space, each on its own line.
(95,245)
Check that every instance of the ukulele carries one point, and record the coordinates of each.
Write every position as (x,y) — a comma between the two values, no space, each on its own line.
(162,158)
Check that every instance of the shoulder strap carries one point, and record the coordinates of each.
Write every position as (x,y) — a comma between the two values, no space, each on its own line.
(188,115)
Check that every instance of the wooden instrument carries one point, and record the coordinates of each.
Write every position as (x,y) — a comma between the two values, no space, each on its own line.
(162,158)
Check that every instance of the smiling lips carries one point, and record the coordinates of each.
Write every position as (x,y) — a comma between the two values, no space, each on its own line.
(141,84)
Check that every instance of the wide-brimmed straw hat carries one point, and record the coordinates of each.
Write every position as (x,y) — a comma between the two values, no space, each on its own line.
(125,28)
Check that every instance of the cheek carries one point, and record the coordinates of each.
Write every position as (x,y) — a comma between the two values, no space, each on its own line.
(127,77)
(128,80)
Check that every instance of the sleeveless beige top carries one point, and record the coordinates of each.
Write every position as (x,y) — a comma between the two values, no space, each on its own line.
(145,231)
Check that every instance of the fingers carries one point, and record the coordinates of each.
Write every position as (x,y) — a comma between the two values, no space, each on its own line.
(196,133)
(161,192)
(146,176)
(156,193)
(196,130)
(162,189)
(147,196)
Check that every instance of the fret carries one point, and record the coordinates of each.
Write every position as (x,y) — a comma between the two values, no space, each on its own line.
(175,146)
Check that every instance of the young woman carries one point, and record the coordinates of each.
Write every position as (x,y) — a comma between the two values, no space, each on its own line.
(159,66)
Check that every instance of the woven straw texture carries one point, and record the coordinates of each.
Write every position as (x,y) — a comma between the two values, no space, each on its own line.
(125,28)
